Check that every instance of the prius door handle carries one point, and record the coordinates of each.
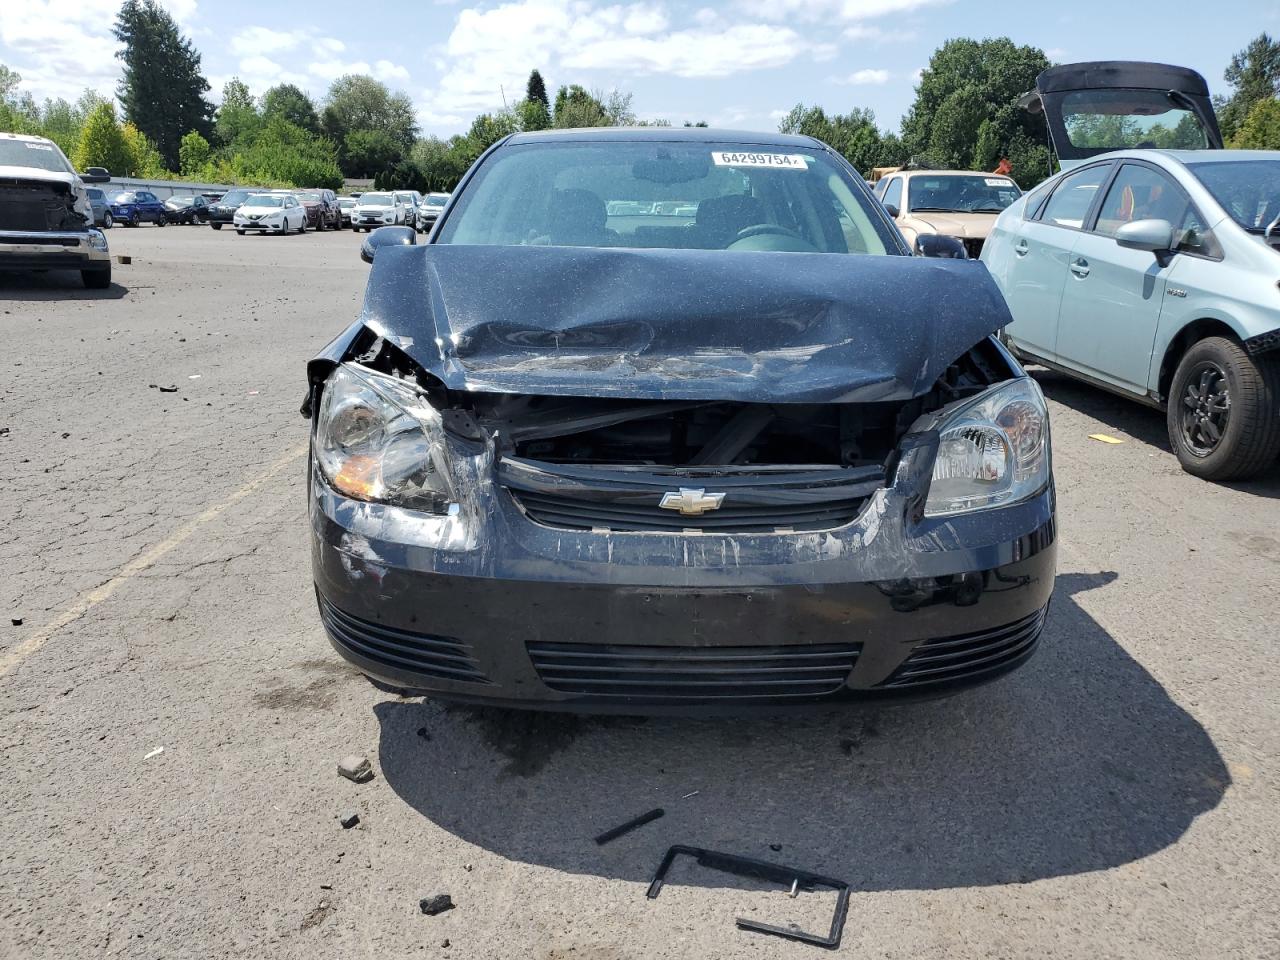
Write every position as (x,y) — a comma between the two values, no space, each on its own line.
(1080,267)
(1021,248)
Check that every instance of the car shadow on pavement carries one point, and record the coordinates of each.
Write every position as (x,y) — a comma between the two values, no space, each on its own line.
(1079,761)
(1141,422)
(54,285)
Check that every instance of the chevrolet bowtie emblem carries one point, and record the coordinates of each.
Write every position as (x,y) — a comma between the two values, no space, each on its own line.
(691,502)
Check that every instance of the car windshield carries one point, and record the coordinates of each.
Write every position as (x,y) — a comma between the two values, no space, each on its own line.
(234,197)
(307,196)
(1123,119)
(26,153)
(961,194)
(436,201)
(263,200)
(125,198)
(1249,190)
(708,196)
(346,202)
(376,200)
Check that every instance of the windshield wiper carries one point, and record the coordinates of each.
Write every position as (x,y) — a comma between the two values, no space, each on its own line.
(937,210)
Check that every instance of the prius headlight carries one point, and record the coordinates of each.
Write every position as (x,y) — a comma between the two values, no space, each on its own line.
(993,451)
(377,439)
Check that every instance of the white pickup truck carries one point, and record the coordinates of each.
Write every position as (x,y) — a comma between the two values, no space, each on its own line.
(46,222)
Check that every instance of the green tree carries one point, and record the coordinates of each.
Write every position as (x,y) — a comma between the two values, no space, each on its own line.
(535,91)
(11,83)
(289,103)
(359,103)
(162,89)
(532,114)
(367,152)
(441,164)
(1254,75)
(145,160)
(193,154)
(237,115)
(102,143)
(1260,129)
(854,135)
(967,83)
(283,153)
(576,107)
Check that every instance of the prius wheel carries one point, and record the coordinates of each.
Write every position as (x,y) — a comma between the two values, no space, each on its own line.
(1222,411)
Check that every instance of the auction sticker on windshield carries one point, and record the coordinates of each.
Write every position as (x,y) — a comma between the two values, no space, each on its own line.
(781,161)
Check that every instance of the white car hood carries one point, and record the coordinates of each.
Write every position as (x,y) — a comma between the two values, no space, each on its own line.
(48,176)
(246,209)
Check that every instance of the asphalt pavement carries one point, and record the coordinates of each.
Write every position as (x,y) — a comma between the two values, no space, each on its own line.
(173,715)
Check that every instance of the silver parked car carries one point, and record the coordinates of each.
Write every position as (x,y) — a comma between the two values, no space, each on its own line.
(1153,273)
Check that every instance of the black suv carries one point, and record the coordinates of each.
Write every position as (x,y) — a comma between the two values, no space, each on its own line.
(223,209)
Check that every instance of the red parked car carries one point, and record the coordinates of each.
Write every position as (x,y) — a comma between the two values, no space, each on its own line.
(322,208)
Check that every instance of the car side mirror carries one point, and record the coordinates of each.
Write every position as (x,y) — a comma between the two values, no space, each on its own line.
(934,245)
(386,237)
(892,210)
(1153,236)
(95,175)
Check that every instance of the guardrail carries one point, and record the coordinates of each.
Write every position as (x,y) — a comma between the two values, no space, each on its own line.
(164,189)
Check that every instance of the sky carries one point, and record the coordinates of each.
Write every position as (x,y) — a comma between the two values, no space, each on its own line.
(733,63)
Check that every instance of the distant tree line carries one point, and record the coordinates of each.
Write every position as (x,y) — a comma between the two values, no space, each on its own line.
(965,115)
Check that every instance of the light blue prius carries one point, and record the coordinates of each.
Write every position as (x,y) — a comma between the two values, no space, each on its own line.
(1153,273)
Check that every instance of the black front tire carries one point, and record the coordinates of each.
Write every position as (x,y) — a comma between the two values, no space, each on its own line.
(216,226)
(97,278)
(1218,373)
(161,220)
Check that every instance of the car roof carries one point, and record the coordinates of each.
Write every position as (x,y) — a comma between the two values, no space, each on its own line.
(1182,156)
(949,173)
(663,135)
(26,138)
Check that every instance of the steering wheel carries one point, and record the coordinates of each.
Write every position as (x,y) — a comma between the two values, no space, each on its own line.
(767,229)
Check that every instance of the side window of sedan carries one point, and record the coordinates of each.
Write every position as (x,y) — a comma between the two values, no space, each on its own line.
(1073,197)
(1141,193)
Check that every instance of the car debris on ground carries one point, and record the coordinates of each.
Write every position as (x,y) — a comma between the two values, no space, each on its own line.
(348,819)
(436,903)
(356,769)
(634,823)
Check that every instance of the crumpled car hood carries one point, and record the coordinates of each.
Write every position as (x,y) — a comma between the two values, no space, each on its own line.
(678,324)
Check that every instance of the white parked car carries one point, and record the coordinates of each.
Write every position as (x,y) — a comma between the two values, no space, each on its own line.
(273,212)
(374,210)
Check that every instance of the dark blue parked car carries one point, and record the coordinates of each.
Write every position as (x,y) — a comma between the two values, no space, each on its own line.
(133,207)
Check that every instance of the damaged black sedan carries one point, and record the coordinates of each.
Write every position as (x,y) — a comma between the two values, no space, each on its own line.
(671,419)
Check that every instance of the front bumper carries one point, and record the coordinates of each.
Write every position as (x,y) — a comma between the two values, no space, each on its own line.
(491,607)
(61,250)
(274,227)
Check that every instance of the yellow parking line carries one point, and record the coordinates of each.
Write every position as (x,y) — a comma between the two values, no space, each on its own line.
(12,659)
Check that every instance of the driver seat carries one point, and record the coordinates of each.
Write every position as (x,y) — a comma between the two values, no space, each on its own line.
(719,219)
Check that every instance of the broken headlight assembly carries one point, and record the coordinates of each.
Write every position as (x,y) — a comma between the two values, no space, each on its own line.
(377,439)
(992,451)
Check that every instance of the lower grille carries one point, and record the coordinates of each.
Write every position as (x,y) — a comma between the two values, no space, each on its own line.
(441,657)
(576,514)
(960,657)
(653,674)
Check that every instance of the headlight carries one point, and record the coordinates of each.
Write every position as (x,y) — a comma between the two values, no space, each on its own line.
(98,239)
(993,451)
(376,439)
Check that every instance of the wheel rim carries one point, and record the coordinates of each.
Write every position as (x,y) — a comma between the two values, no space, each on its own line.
(1206,408)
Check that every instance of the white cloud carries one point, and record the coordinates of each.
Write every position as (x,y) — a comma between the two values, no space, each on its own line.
(330,70)
(864,78)
(877,35)
(917,74)
(61,62)
(490,51)
(263,41)
(826,11)
(388,72)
